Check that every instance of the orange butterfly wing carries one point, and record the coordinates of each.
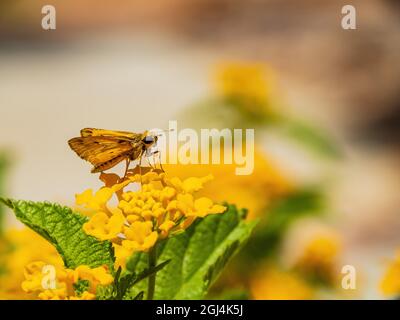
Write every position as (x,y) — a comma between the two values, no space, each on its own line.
(92,132)
(103,152)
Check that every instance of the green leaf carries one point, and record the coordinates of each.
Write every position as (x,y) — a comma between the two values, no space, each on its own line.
(268,234)
(63,228)
(139,296)
(81,286)
(150,271)
(123,283)
(230,294)
(314,138)
(197,256)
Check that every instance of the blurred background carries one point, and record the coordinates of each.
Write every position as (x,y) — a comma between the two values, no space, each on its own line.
(326,181)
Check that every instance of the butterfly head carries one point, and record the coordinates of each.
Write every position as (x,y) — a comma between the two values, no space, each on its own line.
(150,140)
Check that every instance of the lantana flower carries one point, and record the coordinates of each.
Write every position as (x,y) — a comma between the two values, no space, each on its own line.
(161,208)
(248,86)
(18,247)
(390,283)
(69,284)
(256,192)
(320,257)
(272,283)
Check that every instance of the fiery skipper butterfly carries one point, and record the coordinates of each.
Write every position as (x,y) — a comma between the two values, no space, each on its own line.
(106,148)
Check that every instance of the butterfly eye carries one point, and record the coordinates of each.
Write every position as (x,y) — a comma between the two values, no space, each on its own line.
(148,140)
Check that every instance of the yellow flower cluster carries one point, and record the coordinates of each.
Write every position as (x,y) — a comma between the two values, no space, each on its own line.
(61,284)
(255,192)
(319,258)
(249,84)
(276,284)
(162,207)
(390,284)
(17,249)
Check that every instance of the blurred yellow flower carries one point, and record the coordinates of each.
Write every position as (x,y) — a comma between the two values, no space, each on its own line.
(245,84)
(390,283)
(318,260)
(66,282)
(34,277)
(17,249)
(254,192)
(274,284)
(162,207)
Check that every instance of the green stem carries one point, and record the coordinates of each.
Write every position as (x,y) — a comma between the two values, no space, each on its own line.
(152,279)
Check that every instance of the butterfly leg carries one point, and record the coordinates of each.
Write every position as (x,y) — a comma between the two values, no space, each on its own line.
(159,159)
(128,161)
(140,169)
(148,161)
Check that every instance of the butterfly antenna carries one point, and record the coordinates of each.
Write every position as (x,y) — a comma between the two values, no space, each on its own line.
(158,133)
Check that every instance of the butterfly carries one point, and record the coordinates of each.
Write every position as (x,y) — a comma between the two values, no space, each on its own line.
(104,149)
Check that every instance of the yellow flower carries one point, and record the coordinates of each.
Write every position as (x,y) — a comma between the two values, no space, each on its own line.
(65,281)
(33,277)
(254,192)
(104,227)
(84,296)
(95,276)
(242,79)
(390,283)
(247,84)
(204,206)
(17,249)
(98,201)
(35,281)
(318,259)
(162,207)
(191,184)
(55,294)
(140,236)
(95,201)
(275,284)
(122,254)
(198,208)
(165,228)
